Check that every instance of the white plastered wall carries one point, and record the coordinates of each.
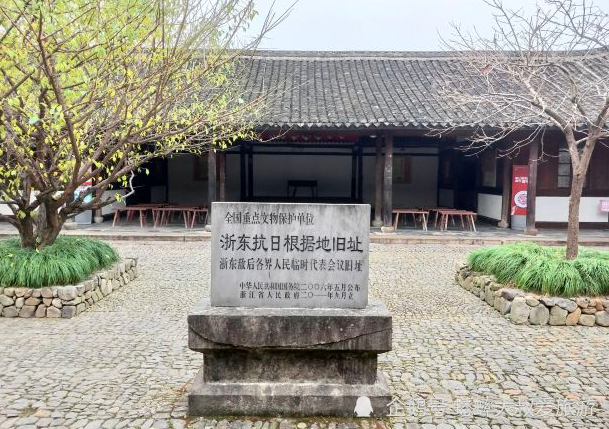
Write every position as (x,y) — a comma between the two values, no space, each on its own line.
(5,210)
(489,206)
(556,209)
(106,210)
(109,209)
(272,172)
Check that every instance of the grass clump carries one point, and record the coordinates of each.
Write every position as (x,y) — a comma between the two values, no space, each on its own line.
(545,270)
(69,260)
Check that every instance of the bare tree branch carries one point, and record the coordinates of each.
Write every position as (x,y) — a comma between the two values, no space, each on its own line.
(92,91)
(542,68)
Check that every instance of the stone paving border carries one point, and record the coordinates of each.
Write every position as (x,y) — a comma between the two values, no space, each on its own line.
(522,307)
(66,301)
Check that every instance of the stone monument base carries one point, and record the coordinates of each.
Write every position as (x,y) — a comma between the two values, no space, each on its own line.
(288,361)
(286,399)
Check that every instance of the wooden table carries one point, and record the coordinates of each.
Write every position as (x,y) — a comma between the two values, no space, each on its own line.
(295,184)
(141,209)
(194,212)
(131,211)
(434,211)
(414,212)
(162,215)
(448,213)
(437,217)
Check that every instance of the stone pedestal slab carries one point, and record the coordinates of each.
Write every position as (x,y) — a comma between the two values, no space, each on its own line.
(288,361)
(287,399)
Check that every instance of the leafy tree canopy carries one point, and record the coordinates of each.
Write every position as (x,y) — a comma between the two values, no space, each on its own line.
(92,89)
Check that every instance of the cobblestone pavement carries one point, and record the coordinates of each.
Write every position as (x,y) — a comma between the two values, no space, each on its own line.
(125,364)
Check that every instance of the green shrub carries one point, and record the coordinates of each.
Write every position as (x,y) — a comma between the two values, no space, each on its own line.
(544,269)
(67,261)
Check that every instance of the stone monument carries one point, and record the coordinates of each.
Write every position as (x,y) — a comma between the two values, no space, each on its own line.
(289,328)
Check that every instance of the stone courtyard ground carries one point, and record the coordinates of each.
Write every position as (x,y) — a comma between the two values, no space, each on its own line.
(125,363)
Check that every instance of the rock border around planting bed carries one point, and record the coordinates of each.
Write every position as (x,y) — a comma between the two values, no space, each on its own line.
(66,301)
(526,308)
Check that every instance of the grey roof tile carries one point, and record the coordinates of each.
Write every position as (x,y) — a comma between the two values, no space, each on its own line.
(359,89)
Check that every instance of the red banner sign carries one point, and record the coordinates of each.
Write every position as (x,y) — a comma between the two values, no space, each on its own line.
(520,182)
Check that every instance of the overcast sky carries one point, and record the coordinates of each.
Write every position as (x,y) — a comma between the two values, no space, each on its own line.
(378,25)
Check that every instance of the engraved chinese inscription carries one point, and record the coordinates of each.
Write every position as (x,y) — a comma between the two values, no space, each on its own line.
(290,255)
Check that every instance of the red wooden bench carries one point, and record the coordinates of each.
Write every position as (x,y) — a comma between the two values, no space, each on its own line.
(423,214)
(469,217)
(131,211)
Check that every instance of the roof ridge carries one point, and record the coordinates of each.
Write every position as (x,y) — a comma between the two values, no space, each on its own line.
(385,55)
(343,55)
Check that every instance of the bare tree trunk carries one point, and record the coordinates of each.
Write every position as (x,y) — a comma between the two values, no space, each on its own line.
(26,233)
(43,229)
(573,226)
(52,228)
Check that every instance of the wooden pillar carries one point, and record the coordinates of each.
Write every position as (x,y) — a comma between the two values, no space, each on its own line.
(360,173)
(250,173)
(530,228)
(507,193)
(211,182)
(243,172)
(353,172)
(378,183)
(166,175)
(388,183)
(222,176)
(97,214)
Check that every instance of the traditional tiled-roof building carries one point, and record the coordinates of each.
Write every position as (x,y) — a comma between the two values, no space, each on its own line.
(359,127)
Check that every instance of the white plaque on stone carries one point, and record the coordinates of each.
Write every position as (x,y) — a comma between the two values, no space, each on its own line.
(290,255)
